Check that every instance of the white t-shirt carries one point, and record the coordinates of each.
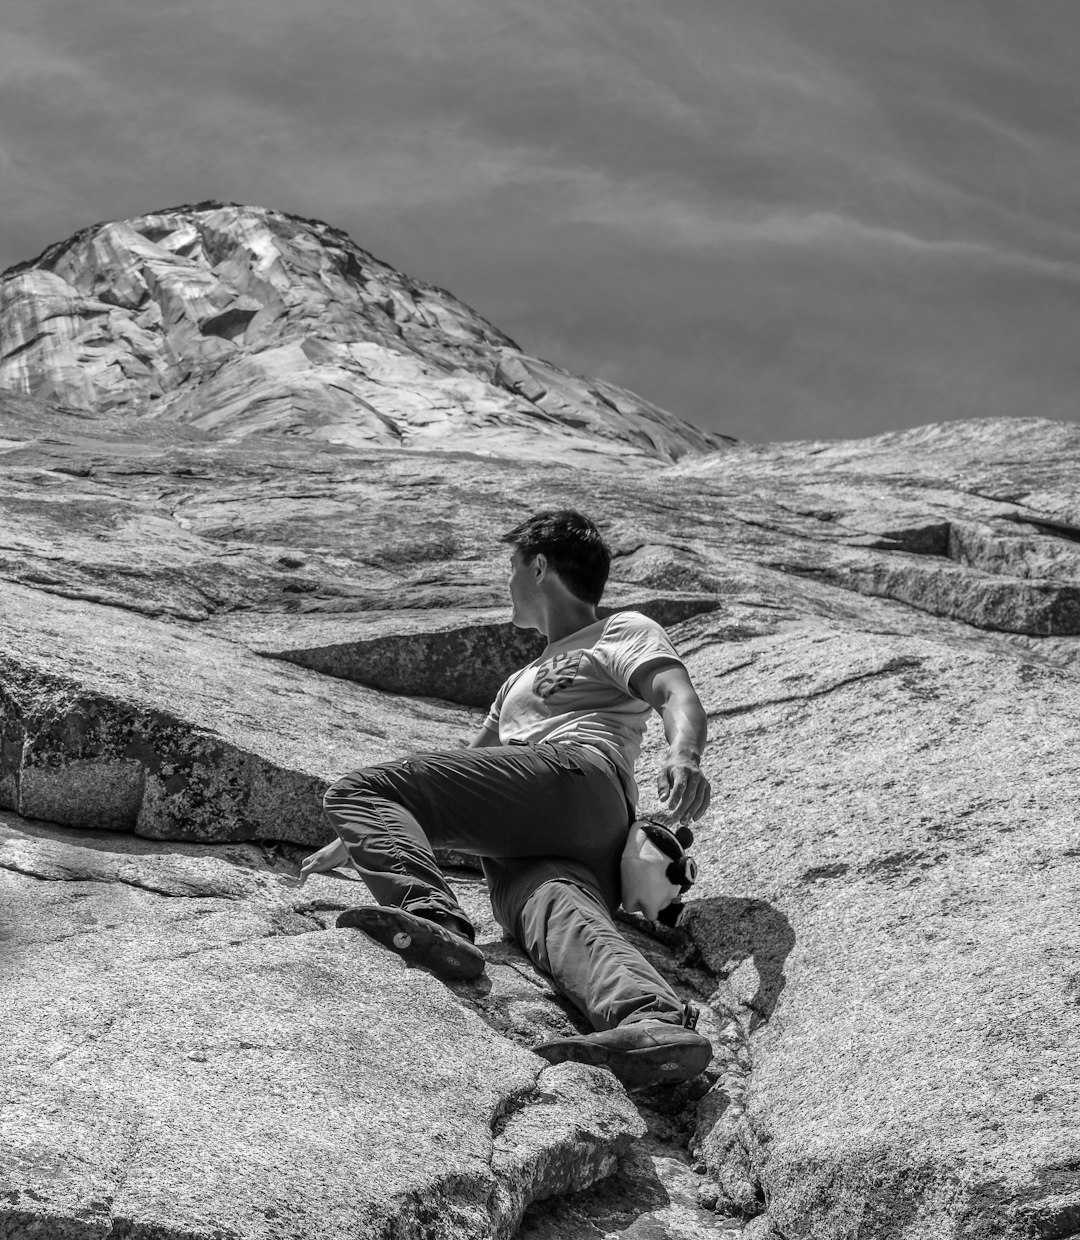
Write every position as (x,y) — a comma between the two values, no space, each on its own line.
(578,691)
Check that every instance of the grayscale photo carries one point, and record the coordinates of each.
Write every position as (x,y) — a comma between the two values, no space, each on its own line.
(540,620)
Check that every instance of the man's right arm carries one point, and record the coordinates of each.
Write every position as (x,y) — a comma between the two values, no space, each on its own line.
(484,739)
(488,735)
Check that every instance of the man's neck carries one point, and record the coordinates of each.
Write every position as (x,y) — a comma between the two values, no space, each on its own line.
(565,618)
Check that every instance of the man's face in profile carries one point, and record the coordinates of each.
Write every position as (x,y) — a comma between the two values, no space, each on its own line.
(523,591)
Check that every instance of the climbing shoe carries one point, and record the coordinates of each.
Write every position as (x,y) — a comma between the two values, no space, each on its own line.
(417,940)
(649,1052)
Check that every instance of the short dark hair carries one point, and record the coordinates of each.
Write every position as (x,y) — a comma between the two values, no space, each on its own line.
(573,546)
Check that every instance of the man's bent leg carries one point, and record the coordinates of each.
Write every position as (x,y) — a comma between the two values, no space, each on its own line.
(517,801)
(370,812)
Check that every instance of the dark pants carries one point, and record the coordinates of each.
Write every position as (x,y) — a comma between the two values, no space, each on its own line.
(549,822)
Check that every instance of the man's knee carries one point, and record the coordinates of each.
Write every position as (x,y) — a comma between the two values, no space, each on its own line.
(350,787)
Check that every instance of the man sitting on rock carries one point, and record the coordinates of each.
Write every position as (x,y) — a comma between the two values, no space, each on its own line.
(545,794)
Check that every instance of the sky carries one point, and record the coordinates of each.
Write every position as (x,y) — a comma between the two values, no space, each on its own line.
(780,220)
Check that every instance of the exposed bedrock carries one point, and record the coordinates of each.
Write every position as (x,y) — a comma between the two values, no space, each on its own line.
(112,720)
(953,520)
(884,634)
(1037,608)
(891,820)
(990,574)
(887,879)
(189,1052)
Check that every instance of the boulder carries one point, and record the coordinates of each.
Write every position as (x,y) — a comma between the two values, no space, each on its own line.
(115,721)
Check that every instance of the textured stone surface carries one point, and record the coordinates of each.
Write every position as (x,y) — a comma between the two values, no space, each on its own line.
(885,635)
(894,904)
(112,720)
(187,1054)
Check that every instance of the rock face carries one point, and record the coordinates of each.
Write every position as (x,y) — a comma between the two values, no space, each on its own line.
(204,621)
(212,1066)
(247,321)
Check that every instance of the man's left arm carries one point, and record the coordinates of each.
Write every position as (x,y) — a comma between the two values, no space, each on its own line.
(683,788)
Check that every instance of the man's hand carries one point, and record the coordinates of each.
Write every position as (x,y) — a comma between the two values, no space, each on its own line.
(665,685)
(683,789)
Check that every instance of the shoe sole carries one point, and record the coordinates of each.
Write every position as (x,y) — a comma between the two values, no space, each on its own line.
(417,941)
(636,1069)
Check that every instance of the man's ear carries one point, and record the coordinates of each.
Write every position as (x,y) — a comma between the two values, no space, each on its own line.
(540,566)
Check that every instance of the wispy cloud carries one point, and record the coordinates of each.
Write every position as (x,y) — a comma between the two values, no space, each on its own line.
(663,216)
(594,177)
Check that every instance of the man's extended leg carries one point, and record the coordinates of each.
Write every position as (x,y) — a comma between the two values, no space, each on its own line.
(556,912)
(566,931)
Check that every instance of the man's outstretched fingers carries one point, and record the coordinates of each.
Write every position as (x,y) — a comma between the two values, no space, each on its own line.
(675,793)
(702,797)
(693,800)
(329,857)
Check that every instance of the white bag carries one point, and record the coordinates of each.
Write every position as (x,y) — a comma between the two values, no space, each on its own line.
(657,871)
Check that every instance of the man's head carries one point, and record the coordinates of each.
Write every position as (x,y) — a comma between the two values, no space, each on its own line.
(571,546)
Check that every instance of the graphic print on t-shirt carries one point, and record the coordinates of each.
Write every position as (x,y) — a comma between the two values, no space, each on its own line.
(557,673)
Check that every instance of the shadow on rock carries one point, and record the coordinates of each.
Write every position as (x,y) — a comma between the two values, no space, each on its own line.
(731,931)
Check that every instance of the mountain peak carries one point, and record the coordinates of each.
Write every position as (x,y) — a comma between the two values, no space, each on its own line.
(240,319)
